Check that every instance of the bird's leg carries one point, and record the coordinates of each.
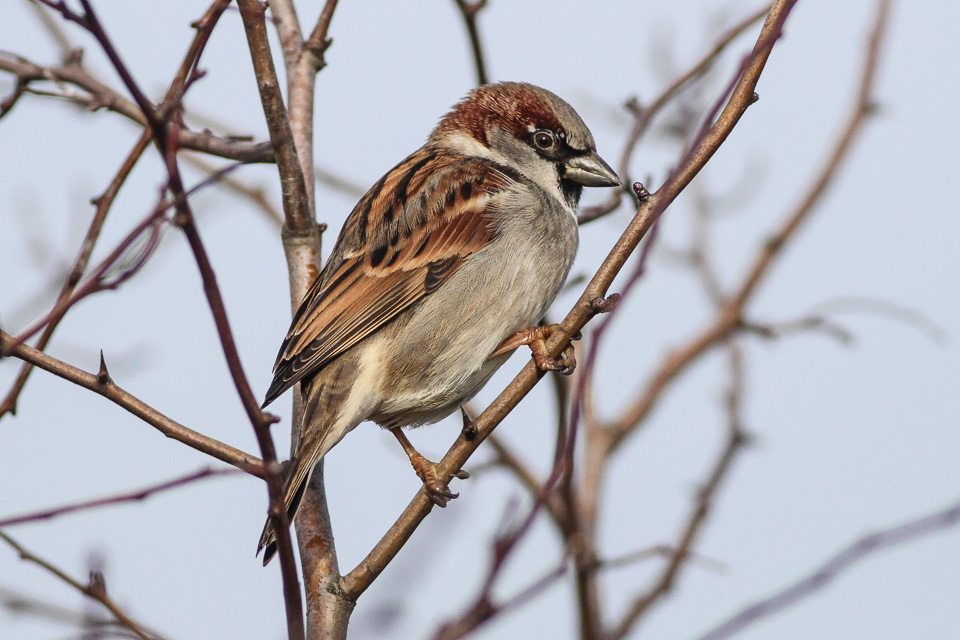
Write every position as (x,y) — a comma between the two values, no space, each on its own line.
(536,338)
(436,489)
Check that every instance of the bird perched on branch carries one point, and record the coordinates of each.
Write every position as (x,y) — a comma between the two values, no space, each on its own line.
(439,273)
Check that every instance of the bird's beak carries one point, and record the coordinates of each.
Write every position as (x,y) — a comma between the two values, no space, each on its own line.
(591,171)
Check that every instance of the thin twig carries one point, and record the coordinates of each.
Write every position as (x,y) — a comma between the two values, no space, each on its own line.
(95,589)
(126,259)
(23,605)
(644,115)
(98,95)
(483,609)
(106,387)
(836,567)
(134,496)
(510,460)
(730,316)
(255,194)
(67,297)
(103,204)
(469,11)
(706,497)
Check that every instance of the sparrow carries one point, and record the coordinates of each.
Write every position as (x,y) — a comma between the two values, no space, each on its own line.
(438,275)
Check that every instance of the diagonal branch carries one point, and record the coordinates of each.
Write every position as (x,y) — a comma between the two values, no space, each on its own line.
(97,95)
(164,126)
(95,589)
(644,115)
(103,385)
(837,566)
(357,581)
(104,202)
(730,315)
(736,440)
(134,496)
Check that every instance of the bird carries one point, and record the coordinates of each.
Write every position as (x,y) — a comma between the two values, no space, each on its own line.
(440,272)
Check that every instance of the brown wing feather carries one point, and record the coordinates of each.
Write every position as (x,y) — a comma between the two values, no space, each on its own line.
(402,241)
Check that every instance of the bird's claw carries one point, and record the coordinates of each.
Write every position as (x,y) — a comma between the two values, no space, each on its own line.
(437,490)
(536,338)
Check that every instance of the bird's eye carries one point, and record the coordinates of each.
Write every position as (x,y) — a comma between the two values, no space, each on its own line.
(544,139)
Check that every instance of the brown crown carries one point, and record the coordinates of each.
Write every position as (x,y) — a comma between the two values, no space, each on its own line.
(512,106)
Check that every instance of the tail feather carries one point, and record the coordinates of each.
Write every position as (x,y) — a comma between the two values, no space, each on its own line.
(322,428)
(303,464)
(268,539)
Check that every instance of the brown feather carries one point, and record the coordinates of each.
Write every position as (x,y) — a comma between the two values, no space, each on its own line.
(408,257)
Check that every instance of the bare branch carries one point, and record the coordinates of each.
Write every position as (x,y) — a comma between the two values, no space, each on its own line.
(303,60)
(97,95)
(730,315)
(772,331)
(338,183)
(327,611)
(287,23)
(885,309)
(20,604)
(469,11)
(581,538)
(256,195)
(95,589)
(296,203)
(483,610)
(659,551)
(135,496)
(103,202)
(9,346)
(509,460)
(863,108)
(837,566)
(736,440)
(643,116)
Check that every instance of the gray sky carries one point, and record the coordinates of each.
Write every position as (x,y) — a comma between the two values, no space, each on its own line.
(849,439)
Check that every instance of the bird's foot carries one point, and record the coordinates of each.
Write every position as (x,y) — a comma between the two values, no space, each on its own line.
(536,338)
(435,488)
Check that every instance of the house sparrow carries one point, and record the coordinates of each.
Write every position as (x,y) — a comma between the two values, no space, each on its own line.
(437,275)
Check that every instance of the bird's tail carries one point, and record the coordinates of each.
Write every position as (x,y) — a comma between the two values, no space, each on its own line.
(295,481)
(323,426)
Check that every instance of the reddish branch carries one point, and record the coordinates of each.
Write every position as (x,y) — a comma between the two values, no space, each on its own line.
(97,95)
(103,204)
(135,496)
(164,127)
(291,135)
(75,73)
(731,315)
(644,115)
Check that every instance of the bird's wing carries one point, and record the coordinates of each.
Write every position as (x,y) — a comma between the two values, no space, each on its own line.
(402,241)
